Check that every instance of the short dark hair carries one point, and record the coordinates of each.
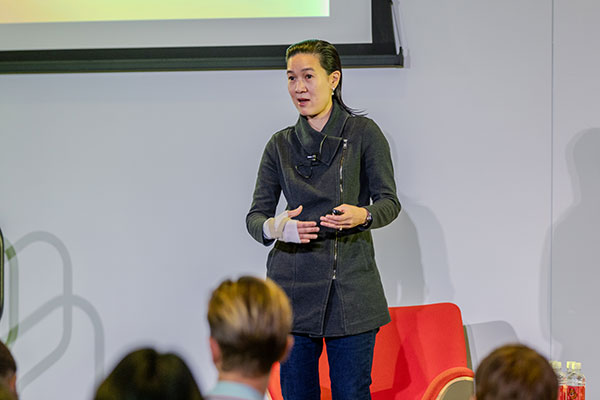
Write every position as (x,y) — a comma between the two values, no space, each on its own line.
(145,374)
(8,366)
(515,372)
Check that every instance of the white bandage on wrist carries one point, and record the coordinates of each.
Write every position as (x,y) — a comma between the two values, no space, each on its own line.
(282,228)
(290,232)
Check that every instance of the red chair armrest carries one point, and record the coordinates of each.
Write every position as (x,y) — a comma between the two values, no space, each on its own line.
(440,382)
(274,388)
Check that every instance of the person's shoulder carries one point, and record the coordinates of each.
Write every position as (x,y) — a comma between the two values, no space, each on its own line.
(281,137)
(365,126)
(362,121)
(283,133)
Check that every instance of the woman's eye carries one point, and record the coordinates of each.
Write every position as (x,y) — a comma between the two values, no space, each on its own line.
(308,76)
(290,78)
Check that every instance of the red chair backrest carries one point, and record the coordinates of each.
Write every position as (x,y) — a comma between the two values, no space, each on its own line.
(410,352)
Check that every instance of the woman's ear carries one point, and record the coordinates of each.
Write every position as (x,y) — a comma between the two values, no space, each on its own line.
(334,79)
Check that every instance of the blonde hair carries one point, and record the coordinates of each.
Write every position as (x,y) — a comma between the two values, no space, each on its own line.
(250,319)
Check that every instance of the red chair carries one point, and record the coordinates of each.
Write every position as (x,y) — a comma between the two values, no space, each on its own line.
(420,355)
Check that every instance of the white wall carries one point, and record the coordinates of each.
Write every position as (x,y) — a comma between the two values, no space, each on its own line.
(575,240)
(142,182)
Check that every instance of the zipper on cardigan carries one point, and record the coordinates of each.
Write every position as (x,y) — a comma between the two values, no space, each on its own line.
(335,244)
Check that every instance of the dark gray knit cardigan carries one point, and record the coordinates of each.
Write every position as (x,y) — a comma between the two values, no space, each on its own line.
(347,162)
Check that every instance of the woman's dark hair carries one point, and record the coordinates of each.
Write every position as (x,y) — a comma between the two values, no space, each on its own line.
(329,60)
(146,374)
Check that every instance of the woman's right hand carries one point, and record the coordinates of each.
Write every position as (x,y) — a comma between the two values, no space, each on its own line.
(307,230)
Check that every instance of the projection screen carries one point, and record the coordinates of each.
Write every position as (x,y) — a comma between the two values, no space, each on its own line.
(125,35)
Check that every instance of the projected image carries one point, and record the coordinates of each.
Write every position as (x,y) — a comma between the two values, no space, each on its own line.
(30,11)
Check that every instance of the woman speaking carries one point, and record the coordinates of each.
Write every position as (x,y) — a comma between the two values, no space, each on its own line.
(335,171)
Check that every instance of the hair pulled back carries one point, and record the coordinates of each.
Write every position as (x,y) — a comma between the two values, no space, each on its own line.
(329,59)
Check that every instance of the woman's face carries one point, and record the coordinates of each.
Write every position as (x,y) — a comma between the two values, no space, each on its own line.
(310,86)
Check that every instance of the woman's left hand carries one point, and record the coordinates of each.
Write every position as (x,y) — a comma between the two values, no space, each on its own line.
(351,216)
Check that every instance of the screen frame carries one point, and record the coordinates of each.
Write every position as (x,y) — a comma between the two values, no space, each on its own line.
(381,52)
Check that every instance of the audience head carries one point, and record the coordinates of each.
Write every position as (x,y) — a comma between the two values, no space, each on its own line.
(250,322)
(8,369)
(146,374)
(515,372)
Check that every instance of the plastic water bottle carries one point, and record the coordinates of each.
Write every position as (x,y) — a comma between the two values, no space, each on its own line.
(562,379)
(575,382)
(580,381)
(570,379)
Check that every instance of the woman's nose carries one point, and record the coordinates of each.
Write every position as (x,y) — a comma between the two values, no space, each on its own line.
(300,87)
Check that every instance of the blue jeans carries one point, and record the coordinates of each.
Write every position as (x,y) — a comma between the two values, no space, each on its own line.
(350,361)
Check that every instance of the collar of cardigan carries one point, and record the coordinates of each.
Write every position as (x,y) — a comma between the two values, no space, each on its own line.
(324,144)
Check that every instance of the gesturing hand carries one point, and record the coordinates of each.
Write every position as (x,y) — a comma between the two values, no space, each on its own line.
(350,217)
(307,230)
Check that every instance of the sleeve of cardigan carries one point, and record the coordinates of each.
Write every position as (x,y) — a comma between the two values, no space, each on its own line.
(266,194)
(377,162)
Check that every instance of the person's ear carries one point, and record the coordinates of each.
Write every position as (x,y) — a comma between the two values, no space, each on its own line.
(12,383)
(215,350)
(288,348)
(334,79)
